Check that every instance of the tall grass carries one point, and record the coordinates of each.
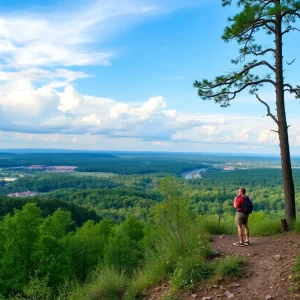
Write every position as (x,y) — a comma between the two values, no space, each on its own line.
(296,226)
(296,275)
(105,283)
(260,225)
(229,267)
(213,224)
(161,260)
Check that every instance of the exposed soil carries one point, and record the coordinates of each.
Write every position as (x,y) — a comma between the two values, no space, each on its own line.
(267,270)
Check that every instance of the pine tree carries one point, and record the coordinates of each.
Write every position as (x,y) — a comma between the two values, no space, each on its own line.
(276,18)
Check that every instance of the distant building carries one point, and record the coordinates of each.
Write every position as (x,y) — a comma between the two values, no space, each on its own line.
(37,167)
(23,194)
(229,169)
(62,168)
(8,179)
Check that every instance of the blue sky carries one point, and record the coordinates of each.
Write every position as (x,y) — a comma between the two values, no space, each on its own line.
(118,75)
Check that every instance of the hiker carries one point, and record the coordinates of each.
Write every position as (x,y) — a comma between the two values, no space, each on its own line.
(243,207)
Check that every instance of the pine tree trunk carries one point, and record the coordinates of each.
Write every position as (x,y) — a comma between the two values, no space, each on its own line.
(287,174)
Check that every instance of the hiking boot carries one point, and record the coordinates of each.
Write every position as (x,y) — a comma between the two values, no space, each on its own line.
(238,244)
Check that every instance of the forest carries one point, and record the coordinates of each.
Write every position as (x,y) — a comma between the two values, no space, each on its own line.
(82,227)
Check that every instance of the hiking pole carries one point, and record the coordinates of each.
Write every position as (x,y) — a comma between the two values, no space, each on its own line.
(232,220)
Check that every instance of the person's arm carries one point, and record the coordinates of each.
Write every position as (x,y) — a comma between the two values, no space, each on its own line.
(236,203)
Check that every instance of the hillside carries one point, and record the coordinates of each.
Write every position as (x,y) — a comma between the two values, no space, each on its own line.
(265,276)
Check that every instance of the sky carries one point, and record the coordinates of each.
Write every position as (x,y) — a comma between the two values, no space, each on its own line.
(118,75)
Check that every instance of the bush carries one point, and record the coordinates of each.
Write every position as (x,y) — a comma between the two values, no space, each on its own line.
(211,225)
(106,283)
(161,259)
(191,270)
(296,275)
(260,225)
(229,268)
(296,226)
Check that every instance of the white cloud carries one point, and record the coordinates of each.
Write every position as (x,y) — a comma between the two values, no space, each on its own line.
(92,120)
(119,110)
(172,113)
(152,105)
(63,38)
(267,136)
(69,99)
(144,112)
(20,107)
(48,112)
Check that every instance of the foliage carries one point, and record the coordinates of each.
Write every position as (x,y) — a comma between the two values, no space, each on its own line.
(229,267)
(261,226)
(157,230)
(79,214)
(105,283)
(296,275)
(190,271)
(123,250)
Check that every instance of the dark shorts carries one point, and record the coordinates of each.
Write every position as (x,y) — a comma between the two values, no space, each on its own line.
(241,219)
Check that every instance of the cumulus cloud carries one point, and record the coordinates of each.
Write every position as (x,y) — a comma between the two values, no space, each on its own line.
(69,99)
(19,107)
(144,112)
(47,111)
(38,100)
(92,120)
(267,136)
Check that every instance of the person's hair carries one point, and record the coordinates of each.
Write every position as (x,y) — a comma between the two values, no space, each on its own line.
(243,190)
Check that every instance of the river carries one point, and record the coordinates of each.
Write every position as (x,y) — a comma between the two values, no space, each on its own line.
(194,174)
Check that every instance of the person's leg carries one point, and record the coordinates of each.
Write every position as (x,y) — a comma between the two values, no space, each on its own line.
(239,224)
(246,229)
(240,233)
(246,233)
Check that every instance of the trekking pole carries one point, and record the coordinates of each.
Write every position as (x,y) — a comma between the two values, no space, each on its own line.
(233,213)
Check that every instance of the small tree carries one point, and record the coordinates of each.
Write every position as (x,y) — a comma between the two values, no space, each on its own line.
(276,18)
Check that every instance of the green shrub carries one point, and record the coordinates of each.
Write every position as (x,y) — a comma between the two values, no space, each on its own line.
(70,290)
(229,267)
(296,226)
(211,225)
(161,259)
(106,283)
(260,225)
(296,275)
(191,270)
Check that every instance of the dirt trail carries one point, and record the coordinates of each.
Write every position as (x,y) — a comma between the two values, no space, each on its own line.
(264,276)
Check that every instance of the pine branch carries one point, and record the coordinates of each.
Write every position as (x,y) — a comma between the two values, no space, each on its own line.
(290,29)
(269,114)
(289,88)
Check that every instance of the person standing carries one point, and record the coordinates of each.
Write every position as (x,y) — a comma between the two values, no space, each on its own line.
(241,217)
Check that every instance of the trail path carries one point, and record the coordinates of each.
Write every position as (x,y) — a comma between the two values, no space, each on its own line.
(267,270)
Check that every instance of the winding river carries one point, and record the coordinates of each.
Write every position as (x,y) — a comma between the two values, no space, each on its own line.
(194,174)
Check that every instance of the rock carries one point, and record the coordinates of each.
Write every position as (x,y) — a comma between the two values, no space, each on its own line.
(215,253)
(221,236)
(206,298)
(194,296)
(158,288)
(277,257)
(268,297)
(236,284)
(229,295)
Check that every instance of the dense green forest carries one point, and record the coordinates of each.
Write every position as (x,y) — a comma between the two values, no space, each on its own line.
(111,236)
